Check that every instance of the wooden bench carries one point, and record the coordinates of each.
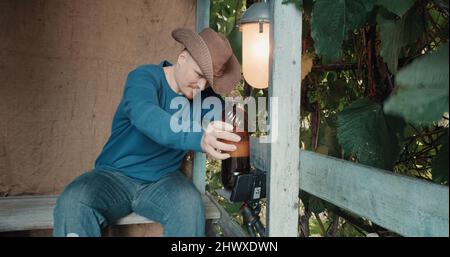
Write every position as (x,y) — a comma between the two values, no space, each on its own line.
(19,213)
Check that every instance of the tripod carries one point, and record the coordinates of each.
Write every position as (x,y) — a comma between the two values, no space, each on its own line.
(250,213)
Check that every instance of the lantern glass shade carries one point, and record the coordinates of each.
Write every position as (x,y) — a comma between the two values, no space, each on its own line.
(255,53)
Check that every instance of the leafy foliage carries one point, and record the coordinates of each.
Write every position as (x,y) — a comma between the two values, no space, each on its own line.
(440,162)
(397,7)
(423,86)
(224,17)
(332,19)
(394,50)
(363,130)
(225,14)
(397,33)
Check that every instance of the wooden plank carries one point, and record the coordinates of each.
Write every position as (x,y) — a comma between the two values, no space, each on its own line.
(406,205)
(26,213)
(36,212)
(283,188)
(199,169)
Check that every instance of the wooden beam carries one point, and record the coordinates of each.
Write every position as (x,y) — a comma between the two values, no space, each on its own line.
(283,188)
(405,205)
(199,169)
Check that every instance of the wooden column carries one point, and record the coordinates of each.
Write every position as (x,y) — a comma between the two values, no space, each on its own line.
(284,90)
(199,170)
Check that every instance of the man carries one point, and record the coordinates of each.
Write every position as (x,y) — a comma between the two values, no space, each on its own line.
(138,168)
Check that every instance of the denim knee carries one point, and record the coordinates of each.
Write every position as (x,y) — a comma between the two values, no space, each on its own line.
(75,193)
(188,216)
(187,200)
(190,205)
(74,212)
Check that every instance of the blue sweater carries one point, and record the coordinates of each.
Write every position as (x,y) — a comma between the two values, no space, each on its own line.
(142,144)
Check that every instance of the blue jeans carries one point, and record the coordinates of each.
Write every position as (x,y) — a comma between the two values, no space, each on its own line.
(98,198)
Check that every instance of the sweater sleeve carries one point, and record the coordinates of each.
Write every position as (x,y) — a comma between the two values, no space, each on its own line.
(141,105)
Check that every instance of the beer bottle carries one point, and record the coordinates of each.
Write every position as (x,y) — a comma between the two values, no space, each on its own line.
(239,161)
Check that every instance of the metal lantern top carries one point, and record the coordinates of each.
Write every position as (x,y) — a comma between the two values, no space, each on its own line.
(257,12)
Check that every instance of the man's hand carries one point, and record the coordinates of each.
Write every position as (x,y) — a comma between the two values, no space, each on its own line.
(212,146)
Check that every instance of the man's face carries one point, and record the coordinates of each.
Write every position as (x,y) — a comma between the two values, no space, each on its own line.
(188,75)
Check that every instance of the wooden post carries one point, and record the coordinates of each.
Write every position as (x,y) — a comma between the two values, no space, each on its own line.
(199,172)
(283,176)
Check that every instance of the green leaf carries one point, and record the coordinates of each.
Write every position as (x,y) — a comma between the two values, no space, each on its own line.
(331,20)
(422,89)
(414,27)
(363,131)
(396,125)
(397,33)
(399,7)
(391,33)
(440,162)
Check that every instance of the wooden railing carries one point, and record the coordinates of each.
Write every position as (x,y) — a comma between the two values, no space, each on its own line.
(405,205)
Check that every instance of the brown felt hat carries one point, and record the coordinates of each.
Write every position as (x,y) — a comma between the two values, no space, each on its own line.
(214,56)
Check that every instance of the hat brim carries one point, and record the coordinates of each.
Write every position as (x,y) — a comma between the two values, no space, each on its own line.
(230,78)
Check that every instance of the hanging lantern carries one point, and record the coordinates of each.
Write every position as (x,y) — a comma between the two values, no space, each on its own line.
(255,27)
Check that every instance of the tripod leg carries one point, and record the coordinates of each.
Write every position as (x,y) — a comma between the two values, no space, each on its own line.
(252,221)
(260,228)
(250,230)
(248,219)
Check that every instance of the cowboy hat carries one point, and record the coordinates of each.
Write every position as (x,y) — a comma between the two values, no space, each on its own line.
(214,56)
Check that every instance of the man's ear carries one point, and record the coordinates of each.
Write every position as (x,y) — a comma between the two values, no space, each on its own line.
(182,57)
